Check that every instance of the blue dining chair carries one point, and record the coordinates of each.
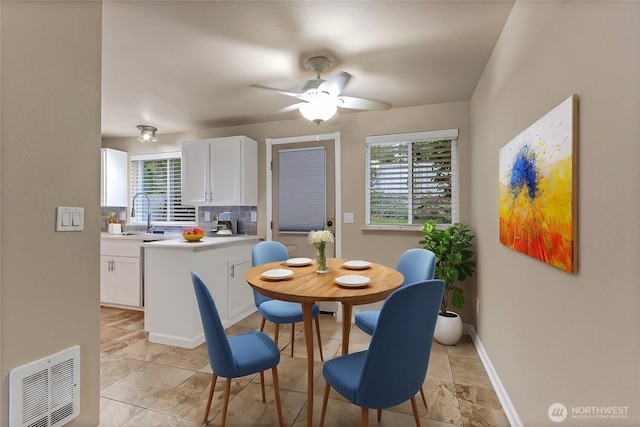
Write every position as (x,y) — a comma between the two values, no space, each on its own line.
(415,265)
(276,311)
(394,367)
(235,356)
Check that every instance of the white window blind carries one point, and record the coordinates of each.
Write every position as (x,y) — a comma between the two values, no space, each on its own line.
(302,192)
(412,178)
(158,176)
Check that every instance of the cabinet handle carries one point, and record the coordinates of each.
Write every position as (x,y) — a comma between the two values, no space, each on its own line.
(233,271)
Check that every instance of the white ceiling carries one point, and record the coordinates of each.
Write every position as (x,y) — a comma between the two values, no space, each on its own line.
(181,65)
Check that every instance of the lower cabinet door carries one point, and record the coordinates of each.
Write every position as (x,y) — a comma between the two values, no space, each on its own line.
(107,280)
(239,293)
(120,281)
(128,289)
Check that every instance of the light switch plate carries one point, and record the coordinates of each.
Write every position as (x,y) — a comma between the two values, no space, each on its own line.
(69,219)
(254,216)
(348,217)
(207,216)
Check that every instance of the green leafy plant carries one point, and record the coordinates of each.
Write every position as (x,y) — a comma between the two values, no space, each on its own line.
(452,248)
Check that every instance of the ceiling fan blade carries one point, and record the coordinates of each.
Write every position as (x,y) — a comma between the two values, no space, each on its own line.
(362,103)
(289,108)
(283,92)
(334,85)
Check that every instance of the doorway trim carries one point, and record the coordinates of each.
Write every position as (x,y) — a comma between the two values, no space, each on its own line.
(335,136)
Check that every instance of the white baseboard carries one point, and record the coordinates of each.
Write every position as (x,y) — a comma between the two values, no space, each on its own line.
(507,406)
(176,341)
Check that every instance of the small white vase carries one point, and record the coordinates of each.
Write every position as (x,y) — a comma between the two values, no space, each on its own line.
(448,329)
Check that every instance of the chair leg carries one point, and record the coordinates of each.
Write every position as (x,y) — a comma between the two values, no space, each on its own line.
(276,333)
(414,406)
(293,334)
(227,392)
(262,386)
(264,320)
(364,415)
(214,378)
(379,415)
(276,391)
(424,400)
(319,340)
(325,399)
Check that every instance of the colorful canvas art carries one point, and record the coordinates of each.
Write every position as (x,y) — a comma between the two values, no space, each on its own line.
(538,188)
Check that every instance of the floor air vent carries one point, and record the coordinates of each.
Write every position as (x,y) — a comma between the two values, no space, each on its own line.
(46,393)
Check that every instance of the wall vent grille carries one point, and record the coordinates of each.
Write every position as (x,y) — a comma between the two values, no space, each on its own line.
(46,392)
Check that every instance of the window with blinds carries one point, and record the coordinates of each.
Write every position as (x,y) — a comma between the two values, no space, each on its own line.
(159,176)
(412,178)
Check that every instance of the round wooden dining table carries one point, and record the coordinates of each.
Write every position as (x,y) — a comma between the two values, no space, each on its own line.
(306,286)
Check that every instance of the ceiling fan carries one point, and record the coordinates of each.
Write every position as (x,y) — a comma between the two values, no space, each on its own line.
(320,99)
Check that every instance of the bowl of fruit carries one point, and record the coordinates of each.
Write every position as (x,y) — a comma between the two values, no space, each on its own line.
(193,234)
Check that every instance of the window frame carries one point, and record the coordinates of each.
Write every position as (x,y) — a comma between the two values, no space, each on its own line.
(409,139)
(150,157)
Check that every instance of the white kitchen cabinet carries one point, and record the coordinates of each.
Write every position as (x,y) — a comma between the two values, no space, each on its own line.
(220,172)
(113,188)
(120,273)
(239,293)
(171,311)
(120,280)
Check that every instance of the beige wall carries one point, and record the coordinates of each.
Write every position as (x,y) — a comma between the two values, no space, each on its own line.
(553,336)
(50,156)
(379,246)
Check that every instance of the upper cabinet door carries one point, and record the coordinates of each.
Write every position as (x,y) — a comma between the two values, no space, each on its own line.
(226,167)
(220,172)
(113,189)
(196,184)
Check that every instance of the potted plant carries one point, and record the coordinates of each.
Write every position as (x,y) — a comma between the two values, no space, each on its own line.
(452,247)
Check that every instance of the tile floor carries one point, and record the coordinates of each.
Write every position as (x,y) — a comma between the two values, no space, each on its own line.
(147,384)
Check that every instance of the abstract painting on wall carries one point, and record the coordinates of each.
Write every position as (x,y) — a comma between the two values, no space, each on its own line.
(538,188)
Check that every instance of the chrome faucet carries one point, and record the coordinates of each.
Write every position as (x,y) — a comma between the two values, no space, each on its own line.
(133,209)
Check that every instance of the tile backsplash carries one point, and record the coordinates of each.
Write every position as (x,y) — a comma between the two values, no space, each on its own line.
(105,211)
(245,226)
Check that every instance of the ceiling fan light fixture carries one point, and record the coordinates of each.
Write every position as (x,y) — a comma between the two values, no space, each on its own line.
(147,133)
(319,99)
(318,110)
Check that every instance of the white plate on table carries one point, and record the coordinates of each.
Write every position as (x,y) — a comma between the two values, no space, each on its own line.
(277,274)
(352,281)
(298,262)
(356,264)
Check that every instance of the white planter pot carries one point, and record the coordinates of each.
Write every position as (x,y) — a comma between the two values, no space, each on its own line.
(448,329)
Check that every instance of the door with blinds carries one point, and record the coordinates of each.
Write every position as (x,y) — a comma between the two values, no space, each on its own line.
(303,194)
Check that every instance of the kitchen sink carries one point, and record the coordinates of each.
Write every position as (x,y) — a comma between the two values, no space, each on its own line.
(147,237)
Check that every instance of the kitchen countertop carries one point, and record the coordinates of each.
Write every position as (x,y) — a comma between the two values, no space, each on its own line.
(204,243)
(141,236)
